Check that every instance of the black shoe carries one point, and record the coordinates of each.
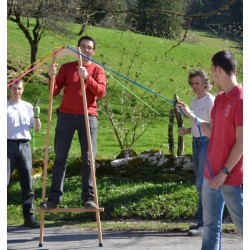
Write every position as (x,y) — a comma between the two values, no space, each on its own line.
(196,226)
(31,222)
(195,230)
(88,202)
(49,205)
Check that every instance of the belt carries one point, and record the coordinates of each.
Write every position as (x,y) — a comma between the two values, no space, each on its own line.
(18,140)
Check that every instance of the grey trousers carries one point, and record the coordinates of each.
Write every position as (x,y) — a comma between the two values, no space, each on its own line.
(66,126)
(19,156)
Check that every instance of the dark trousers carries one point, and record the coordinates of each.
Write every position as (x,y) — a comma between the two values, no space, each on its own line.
(19,156)
(66,126)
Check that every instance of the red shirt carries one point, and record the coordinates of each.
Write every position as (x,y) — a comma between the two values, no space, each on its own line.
(226,115)
(69,80)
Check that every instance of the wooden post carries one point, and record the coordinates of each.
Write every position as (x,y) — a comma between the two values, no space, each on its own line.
(92,161)
(170,132)
(179,118)
(45,168)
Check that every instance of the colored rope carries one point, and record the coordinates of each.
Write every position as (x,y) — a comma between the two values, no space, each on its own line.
(135,95)
(30,70)
(202,144)
(124,77)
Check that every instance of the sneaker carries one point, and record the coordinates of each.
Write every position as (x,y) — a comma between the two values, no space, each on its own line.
(49,205)
(31,222)
(89,202)
(196,231)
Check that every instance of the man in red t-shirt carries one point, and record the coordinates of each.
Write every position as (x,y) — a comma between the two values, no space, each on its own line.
(71,118)
(223,177)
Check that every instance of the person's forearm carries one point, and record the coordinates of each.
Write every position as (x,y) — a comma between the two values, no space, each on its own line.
(234,157)
(37,124)
(97,88)
(237,150)
(184,131)
(204,126)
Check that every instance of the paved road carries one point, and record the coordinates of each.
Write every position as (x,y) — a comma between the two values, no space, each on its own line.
(55,238)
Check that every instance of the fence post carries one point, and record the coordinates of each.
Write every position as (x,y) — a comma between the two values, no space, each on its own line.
(179,118)
(170,132)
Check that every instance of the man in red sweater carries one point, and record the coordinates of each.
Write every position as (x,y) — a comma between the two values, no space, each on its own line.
(223,177)
(71,118)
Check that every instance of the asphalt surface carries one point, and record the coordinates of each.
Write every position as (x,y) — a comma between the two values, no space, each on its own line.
(55,238)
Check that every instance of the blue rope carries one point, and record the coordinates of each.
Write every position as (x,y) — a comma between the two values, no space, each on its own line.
(134,95)
(202,144)
(126,78)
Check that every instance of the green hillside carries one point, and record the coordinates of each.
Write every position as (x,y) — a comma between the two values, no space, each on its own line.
(143,59)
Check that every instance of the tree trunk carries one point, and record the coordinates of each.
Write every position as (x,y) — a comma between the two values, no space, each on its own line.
(33,53)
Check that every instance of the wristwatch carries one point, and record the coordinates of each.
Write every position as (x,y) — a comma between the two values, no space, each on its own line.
(225,171)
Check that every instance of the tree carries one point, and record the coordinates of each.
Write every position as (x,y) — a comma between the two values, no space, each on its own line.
(231,14)
(34,18)
(132,122)
(100,13)
(159,18)
(130,119)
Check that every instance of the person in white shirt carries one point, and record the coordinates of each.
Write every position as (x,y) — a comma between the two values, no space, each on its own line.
(201,106)
(21,117)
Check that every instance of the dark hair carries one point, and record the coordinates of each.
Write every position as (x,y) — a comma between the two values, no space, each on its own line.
(226,61)
(203,75)
(86,38)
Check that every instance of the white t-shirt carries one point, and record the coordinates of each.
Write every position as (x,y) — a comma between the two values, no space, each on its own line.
(202,108)
(20,118)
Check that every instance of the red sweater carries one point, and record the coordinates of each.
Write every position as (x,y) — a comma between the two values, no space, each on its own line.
(69,80)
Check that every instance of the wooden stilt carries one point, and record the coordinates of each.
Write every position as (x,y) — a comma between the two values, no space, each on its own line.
(57,54)
(52,81)
(92,162)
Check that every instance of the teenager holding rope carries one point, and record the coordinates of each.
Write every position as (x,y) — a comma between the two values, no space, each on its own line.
(201,106)
(223,178)
(21,117)
(71,118)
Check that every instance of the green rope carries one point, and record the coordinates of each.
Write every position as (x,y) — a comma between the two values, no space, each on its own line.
(134,94)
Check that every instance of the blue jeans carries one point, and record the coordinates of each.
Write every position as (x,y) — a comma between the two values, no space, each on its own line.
(213,206)
(66,126)
(19,156)
(199,160)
